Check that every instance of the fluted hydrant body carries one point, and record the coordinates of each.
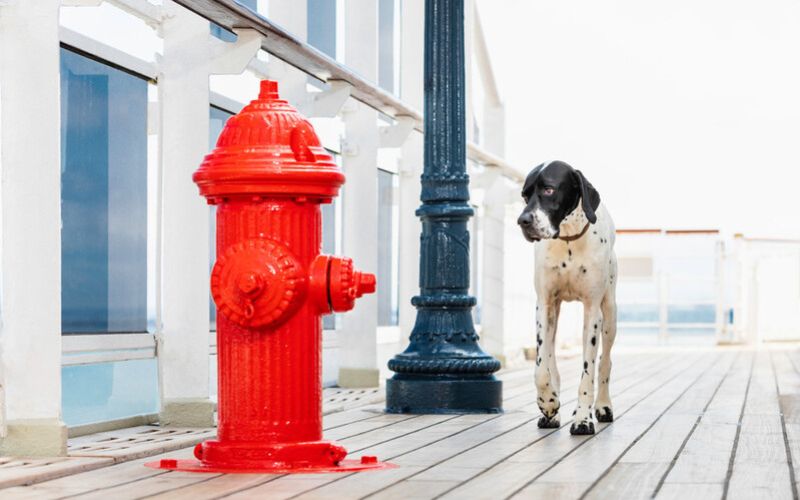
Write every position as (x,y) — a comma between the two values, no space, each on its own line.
(268,177)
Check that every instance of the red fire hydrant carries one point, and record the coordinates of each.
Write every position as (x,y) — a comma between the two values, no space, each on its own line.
(268,177)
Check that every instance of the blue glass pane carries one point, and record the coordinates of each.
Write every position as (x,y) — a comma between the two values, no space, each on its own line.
(388,258)
(108,391)
(103,197)
(217,119)
(321,25)
(386,44)
(225,35)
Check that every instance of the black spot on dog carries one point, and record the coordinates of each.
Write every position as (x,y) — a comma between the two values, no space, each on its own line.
(569,252)
(606,416)
(595,326)
(582,429)
(585,365)
(563,264)
(584,393)
(552,400)
(594,340)
(548,423)
(538,361)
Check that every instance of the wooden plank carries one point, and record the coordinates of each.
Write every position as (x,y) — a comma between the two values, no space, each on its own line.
(21,471)
(640,469)
(513,473)
(94,481)
(705,456)
(788,381)
(436,458)
(590,462)
(629,480)
(684,491)
(761,466)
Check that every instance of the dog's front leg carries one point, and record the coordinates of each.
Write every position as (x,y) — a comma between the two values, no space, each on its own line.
(546,387)
(592,329)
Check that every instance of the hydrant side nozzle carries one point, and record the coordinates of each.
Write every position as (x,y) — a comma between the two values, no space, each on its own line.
(318,292)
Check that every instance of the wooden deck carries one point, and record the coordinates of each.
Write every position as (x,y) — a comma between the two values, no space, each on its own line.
(694,423)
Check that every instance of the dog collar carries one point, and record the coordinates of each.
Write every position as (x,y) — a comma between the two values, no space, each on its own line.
(576,236)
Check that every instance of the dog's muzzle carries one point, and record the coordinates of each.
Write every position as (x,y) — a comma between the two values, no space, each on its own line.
(526,223)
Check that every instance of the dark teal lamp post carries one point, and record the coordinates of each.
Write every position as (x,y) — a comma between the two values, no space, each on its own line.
(444,370)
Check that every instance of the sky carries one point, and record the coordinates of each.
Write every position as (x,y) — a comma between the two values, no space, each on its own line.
(683,114)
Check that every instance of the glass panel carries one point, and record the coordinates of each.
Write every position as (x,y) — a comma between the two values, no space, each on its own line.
(103,197)
(225,35)
(322,25)
(217,119)
(476,268)
(388,258)
(386,44)
(108,391)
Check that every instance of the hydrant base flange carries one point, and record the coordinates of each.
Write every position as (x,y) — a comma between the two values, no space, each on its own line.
(198,466)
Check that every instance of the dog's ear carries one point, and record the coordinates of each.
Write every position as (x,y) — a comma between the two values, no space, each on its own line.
(530,181)
(590,198)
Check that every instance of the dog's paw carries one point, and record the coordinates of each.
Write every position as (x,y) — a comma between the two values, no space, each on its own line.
(582,428)
(604,414)
(549,423)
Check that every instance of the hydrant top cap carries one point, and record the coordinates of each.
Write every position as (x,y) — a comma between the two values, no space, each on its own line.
(268,148)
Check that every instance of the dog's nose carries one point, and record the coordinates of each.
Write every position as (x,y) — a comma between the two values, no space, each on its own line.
(525,220)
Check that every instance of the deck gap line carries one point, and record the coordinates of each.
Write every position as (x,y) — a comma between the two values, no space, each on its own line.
(360,449)
(738,432)
(639,437)
(353,422)
(691,431)
(570,452)
(634,370)
(404,453)
(181,486)
(380,427)
(158,473)
(343,476)
(548,432)
(665,361)
(636,365)
(783,429)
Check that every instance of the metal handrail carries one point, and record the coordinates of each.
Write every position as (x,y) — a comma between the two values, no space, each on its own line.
(277,41)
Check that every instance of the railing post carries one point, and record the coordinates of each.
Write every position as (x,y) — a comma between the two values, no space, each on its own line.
(444,370)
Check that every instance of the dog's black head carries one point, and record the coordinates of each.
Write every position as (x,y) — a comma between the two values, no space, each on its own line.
(553,190)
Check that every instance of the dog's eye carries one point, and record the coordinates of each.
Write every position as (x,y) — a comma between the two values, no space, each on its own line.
(548,191)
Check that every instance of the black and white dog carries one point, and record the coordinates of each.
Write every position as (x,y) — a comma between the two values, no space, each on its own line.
(574,260)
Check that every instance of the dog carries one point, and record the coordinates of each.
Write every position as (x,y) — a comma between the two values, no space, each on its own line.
(574,260)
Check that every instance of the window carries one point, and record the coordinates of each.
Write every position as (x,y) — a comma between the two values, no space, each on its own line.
(104,278)
(476,262)
(321,24)
(225,35)
(217,119)
(387,45)
(103,197)
(388,239)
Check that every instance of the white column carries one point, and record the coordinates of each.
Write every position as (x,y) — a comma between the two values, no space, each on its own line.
(30,266)
(411,162)
(184,320)
(358,335)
